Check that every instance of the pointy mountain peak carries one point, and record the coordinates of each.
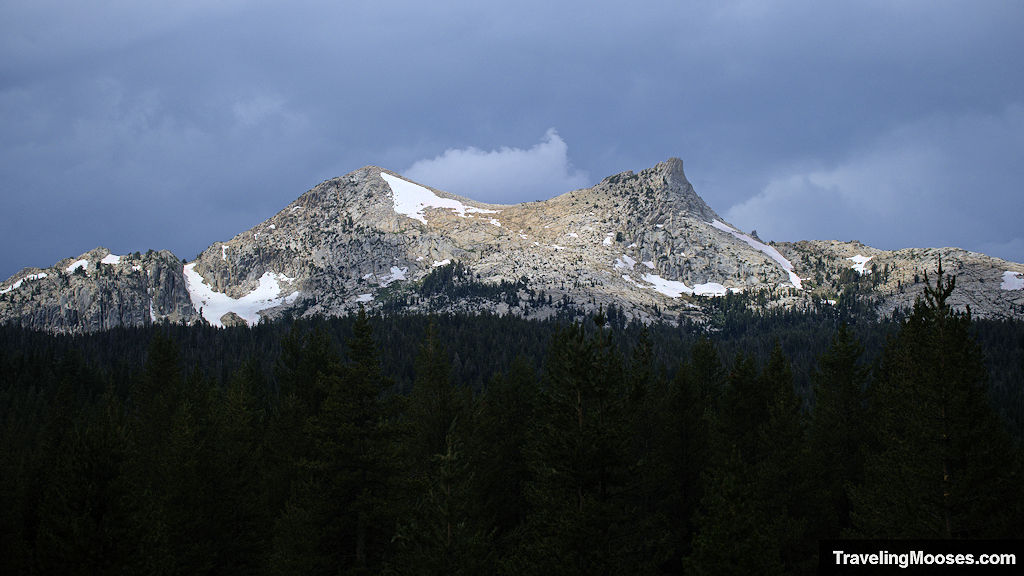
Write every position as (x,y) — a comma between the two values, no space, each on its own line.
(643,241)
(665,188)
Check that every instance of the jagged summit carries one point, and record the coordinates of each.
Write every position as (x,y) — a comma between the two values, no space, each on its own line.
(665,182)
(645,242)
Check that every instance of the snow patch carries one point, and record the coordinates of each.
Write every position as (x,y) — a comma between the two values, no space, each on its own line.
(769,251)
(444,262)
(710,289)
(111,259)
(223,251)
(557,247)
(859,262)
(137,268)
(573,235)
(412,199)
(670,288)
(17,284)
(625,262)
(213,305)
(364,298)
(675,289)
(83,263)
(1012,281)
(648,263)
(495,222)
(607,239)
(395,275)
(273,227)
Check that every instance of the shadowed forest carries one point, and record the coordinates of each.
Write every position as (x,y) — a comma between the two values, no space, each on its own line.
(486,445)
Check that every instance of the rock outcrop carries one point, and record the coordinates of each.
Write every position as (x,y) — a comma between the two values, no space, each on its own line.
(644,242)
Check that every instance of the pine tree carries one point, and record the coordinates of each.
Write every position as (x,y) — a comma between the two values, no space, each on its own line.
(583,471)
(498,449)
(942,465)
(838,429)
(438,531)
(235,506)
(341,480)
(752,508)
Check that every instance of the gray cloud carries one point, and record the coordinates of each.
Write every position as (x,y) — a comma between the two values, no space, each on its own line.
(938,182)
(139,126)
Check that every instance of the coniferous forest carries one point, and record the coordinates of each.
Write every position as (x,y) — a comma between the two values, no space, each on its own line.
(487,445)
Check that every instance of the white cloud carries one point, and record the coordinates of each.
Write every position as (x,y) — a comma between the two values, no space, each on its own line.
(943,181)
(505,175)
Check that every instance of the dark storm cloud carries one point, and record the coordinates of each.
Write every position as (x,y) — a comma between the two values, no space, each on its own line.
(133,126)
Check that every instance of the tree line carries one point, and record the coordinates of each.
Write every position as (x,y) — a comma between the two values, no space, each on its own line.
(591,451)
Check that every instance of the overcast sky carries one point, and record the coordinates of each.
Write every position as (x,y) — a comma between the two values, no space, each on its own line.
(137,125)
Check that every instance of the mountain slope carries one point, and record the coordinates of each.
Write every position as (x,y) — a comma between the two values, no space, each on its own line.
(645,242)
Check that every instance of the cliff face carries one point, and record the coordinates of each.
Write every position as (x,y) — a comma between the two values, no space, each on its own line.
(98,290)
(645,242)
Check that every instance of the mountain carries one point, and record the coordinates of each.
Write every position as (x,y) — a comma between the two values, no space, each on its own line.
(644,242)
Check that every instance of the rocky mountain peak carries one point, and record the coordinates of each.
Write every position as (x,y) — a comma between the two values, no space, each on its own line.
(643,241)
(665,188)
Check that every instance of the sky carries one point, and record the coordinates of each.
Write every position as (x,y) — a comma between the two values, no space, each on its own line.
(134,124)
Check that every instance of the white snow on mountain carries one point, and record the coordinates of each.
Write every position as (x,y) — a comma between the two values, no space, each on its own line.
(710,289)
(395,275)
(624,262)
(213,305)
(769,251)
(83,263)
(17,284)
(111,259)
(670,288)
(859,262)
(412,199)
(1012,281)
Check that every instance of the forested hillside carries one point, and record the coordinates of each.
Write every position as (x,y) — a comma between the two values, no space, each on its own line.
(479,444)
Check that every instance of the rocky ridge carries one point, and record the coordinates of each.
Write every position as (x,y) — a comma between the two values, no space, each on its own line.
(644,242)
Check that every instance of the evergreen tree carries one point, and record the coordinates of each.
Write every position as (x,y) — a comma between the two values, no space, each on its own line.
(580,462)
(942,465)
(506,413)
(838,429)
(753,509)
(438,532)
(235,504)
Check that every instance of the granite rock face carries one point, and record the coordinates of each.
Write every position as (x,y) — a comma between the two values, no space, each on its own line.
(644,242)
(98,290)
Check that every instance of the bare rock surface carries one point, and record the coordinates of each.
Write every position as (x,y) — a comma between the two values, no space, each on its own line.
(644,242)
